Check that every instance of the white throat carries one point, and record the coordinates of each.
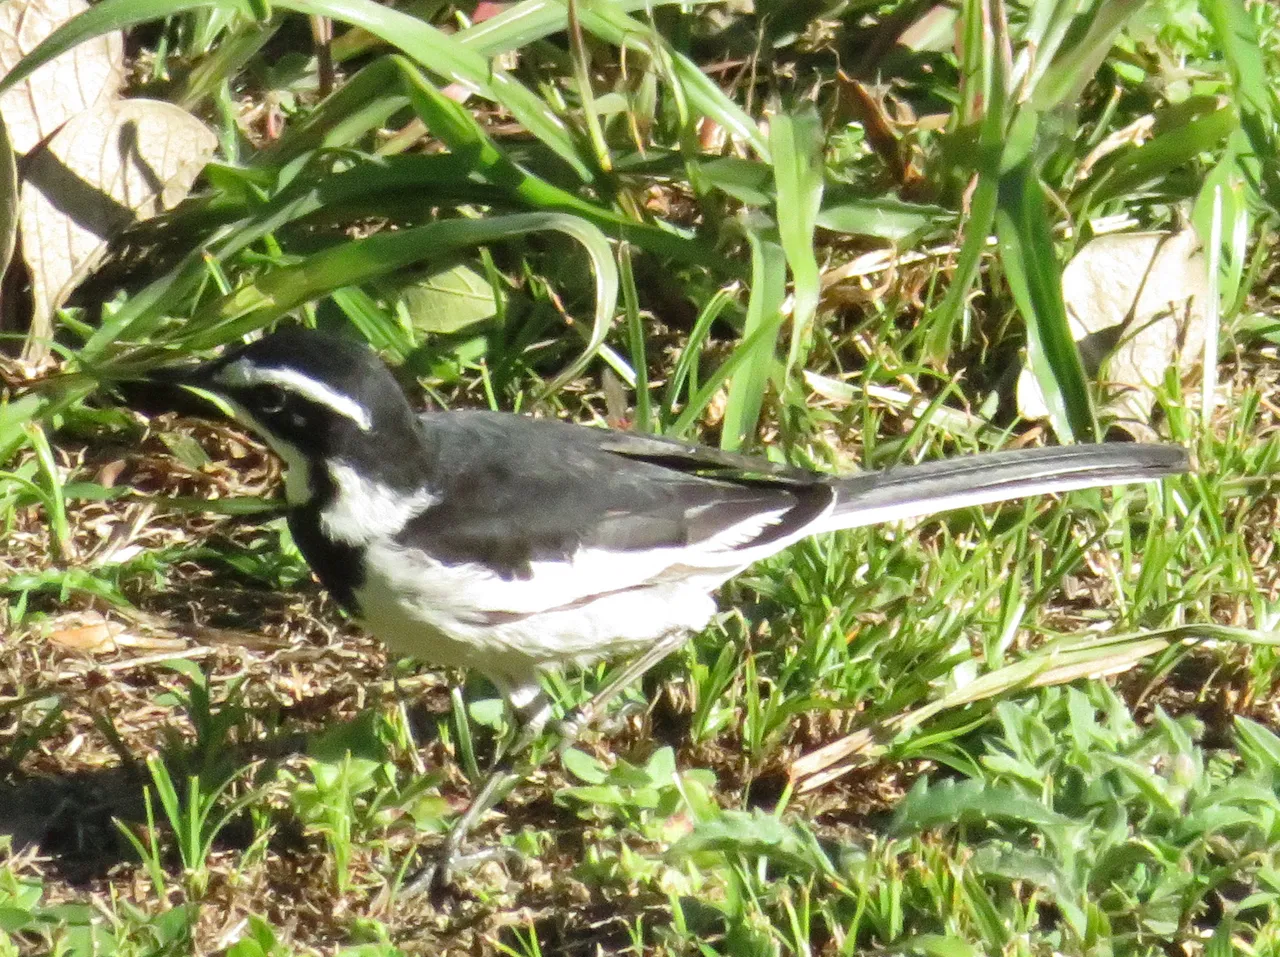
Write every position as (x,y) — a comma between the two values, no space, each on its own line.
(365,509)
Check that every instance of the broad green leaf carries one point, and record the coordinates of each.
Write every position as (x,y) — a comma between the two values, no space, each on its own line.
(247,948)
(448,300)
(1258,745)
(15,415)
(747,181)
(756,834)
(883,218)
(184,447)
(946,803)
(583,766)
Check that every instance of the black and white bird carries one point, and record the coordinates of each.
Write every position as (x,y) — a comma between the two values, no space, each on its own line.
(512,545)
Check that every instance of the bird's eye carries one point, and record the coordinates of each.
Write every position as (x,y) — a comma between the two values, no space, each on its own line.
(272,399)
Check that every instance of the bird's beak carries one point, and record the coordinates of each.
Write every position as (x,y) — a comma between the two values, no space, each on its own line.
(177,376)
(186,387)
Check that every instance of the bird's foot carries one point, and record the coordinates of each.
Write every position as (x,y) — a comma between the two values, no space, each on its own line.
(435,879)
(437,876)
(571,729)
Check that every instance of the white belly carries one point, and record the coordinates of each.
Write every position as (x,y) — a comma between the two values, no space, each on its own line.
(455,616)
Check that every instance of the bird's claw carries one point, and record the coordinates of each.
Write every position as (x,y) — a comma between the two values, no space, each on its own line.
(571,729)
(436,877)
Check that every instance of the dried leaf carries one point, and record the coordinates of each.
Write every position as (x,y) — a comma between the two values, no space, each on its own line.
(1137,304)
(88,632)
(89,74)
(103,171)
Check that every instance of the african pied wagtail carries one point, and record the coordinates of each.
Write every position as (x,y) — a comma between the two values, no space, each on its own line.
(512,545)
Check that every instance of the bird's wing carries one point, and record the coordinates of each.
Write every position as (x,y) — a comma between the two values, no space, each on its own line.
(561,512)
(550,514)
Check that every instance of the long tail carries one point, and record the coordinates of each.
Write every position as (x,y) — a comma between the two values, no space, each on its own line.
(913,490)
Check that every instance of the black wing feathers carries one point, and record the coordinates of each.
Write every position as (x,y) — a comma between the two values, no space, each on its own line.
(516,490)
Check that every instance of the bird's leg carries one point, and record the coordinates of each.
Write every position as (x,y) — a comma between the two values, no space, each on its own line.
(509,768)
(531,710)
(571,728)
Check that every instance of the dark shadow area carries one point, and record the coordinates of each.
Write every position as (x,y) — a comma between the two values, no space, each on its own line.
(72,818)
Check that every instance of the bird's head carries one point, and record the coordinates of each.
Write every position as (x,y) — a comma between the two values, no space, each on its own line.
(316,399)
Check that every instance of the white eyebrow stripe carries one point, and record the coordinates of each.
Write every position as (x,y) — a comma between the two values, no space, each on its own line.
(242,373)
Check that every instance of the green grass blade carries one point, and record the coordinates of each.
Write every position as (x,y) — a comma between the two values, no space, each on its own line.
(796,142)
(982,216)
(763,339)
(686,366)
(1025,237)
(350,264)
(580,58)
(975,63)
(757,352)
(643,417)
(443,177)
(612,25)
(442,55)
(523,23)
(606,275)
(985,101)
(1253,90)
(56,505)
(535,19)
(464,136)
(378,327)
(1140,168)
(363,103)
(1227,184)
(1074,64)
